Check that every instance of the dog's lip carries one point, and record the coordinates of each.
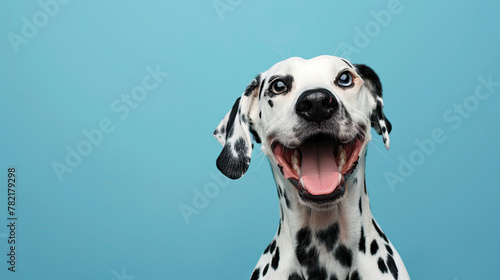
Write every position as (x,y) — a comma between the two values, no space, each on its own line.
(283,157)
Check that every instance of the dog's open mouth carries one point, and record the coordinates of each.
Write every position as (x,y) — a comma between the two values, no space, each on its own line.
(319,167)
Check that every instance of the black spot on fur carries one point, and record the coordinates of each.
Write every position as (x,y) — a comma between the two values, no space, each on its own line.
(371,78)
(260,115)
(267,249)
(279,228)
(379,231)
(276,259)
(360,209)
(232,116)
(366,192)
(233,167)
(287,201)
(392,266)
(261,87)
(279,191)
(252,86)
(355,181)
(316,272)
(389,250)
(334,277)
(264,272)
(355,275)
(240,147)
(344,255)
(329,236)
(270,103)
(222,129)
(362,241)
(243,118)
(381,265)
(303,241)
(255,274)
(374,247)
(273,246)
(308,258)
(216,131)
(295,276)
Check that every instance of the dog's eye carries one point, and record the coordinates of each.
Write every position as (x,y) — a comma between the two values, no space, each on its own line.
(278,87)
(345,79)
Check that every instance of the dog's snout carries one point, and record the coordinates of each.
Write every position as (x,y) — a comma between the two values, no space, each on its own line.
(316,105)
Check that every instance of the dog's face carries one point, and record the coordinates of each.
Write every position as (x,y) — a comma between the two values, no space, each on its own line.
(313,118)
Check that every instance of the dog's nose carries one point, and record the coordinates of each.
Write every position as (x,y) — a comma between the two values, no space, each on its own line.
(316,105)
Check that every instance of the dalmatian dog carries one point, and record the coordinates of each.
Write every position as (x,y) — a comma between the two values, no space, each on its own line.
(313,118)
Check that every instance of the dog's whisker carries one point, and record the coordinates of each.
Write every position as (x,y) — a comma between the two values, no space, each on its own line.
(337,48)
(345,52)
(280,53)
(379,149)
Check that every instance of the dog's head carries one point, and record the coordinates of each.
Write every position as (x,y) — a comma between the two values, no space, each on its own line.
(313,118)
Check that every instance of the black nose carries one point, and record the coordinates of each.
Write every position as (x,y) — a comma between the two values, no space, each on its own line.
(316,105)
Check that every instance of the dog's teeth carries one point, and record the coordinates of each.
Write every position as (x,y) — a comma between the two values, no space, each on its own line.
(295,157)
(295,161)
(342,158)
(340,178)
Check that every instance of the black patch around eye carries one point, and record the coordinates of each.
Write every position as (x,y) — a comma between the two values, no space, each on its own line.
(270,103)
(287,79)
(341,76)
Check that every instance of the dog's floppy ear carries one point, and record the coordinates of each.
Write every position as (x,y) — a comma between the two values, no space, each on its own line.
(378,119)
(233,132)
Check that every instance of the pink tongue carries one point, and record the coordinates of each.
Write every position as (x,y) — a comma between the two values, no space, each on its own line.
(319,171)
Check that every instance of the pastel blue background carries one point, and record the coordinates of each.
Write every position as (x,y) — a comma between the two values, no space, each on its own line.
(117,213)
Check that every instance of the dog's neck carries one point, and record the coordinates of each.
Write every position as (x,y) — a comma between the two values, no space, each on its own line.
(302,227)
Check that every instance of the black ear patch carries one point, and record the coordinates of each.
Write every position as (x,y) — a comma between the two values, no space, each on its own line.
(232,116)
(234,159)
(234,166)
(378,119)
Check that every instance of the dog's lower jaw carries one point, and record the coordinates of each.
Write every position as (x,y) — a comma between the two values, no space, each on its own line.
(349,212)
(296,213)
